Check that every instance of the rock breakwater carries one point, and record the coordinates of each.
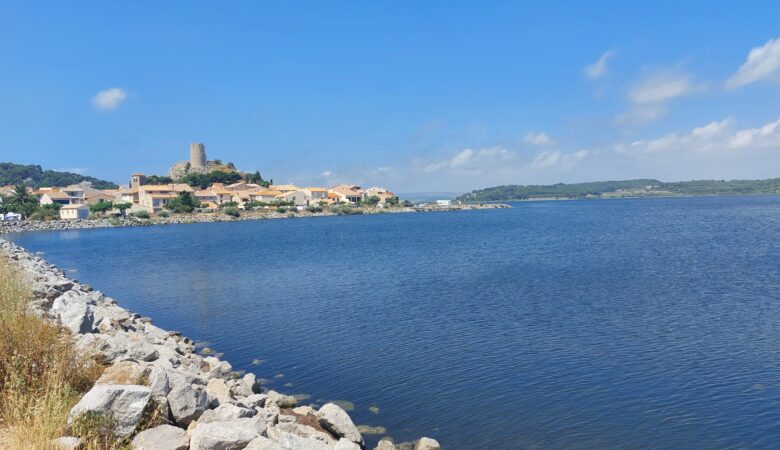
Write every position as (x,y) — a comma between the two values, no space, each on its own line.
(201,403)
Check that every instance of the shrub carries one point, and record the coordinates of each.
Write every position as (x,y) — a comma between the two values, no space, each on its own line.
(163,214)
(346,211)
(232,211)
(314,209)
(41,373)
(281,210)
(142,215)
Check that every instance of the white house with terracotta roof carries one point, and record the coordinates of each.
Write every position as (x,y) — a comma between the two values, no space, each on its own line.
(55,196)
(316,193)
(348,193)
(154,197)
(299,197)
(265,195)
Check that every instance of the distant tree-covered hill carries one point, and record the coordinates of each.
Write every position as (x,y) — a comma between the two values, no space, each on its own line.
(627,188)
(35,176)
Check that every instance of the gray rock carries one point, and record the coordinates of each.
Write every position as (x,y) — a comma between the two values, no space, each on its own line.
(226,412)
(263,443)
(269,415)
(337,421)
(124,403)
(122,372)
(232,435)
(187,403)
(281,400)
(158,382)
(427,444)
(164,437)
(345,444)
(254,400)
(219,392)
(68,443)
(289,441)
(74,314)
(385,444)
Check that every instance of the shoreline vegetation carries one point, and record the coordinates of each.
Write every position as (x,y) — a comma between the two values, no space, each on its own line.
(621,189)
(77,371)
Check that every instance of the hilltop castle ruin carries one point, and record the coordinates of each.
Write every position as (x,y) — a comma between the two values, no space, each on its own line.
(197,163)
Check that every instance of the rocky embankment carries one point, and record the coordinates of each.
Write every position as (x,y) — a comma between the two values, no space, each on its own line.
(82,224)
(200,401)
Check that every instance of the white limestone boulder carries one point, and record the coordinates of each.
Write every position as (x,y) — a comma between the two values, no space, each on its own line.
(125,404)
(163,437)
(337,421)
(230,435)
(187,403)
(427,444)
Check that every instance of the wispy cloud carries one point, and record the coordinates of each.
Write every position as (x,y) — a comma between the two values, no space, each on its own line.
(109,99)
(77,170)
(601,67)
(554,158)
(661,87)
(762,62)
(714,137)
(537,139)
(651,95)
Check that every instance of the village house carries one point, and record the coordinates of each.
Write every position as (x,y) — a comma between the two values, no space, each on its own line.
(347,193)
(54,196)
(299,198)
(381,193)
(154,197)
(265,195)
(223,194)
(98,197)
(74,211)
(316,194)
(284,188)
(127,195)
(207,198)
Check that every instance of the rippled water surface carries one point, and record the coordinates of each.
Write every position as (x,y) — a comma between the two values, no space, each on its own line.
(648,323)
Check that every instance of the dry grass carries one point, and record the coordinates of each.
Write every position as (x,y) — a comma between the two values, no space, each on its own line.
(41,374)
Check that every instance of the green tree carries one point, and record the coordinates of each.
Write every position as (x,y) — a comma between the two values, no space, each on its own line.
(22,201)
(101,207)
(392,201)
(47,212)
(371,201)
(184,203)
(123,207)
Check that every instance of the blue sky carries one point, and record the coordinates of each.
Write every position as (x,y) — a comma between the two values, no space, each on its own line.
(415,96)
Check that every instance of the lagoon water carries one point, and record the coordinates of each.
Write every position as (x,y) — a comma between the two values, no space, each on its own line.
(648,323)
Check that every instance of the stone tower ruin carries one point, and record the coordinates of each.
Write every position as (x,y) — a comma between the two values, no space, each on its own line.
(197,156)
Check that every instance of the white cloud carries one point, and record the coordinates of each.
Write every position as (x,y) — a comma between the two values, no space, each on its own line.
(756,138)
(383,169)
(651,95)
(537,139)
(599,68)
(327,174)
(661,87)
(642,114)
(108,99)
(471,161)
(553,158)
(717,137)
(762,62)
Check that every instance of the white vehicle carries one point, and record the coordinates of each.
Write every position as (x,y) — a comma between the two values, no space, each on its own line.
(11,217)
